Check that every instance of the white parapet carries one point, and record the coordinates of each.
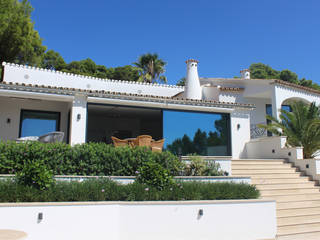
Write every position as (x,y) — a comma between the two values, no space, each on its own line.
(174,220)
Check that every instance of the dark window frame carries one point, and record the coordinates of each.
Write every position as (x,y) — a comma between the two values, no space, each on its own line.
(39,111)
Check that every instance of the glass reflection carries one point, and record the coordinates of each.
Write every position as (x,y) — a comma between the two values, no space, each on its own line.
(204,134)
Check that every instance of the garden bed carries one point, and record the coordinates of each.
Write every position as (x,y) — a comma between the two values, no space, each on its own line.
(108,190)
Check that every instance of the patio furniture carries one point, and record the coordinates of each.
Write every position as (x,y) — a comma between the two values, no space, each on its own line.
(143,141)
(51,137)
(119,142)
(29,139)
(9,234)
(156,146)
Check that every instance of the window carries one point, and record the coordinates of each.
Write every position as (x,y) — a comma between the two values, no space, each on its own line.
(206,134)
(37,123)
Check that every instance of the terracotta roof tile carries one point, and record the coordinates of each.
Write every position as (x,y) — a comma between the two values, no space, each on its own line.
(106,94)
(285,83)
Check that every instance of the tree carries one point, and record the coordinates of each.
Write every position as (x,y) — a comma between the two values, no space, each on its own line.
(263,71)
(182,82)
(151,68)
(53,60)
(126,73)
(301,126)
(288,76)
(19,42)
(200,142)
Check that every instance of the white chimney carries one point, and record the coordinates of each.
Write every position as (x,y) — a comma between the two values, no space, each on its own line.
(245,73)
(192,89)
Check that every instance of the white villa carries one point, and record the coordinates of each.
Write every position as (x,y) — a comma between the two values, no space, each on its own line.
(35,101)
(216,117)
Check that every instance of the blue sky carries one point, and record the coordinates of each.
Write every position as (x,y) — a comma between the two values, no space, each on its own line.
(225,36)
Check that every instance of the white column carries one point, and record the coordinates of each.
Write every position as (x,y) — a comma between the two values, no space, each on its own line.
(240,132)
(276,103)
(78,120)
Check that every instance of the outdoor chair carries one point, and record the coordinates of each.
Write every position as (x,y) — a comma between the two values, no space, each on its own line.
(156,146)
(119,142)
(143,141)
(51,137)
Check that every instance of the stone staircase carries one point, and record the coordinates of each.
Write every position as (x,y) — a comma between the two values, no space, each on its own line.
(298,199)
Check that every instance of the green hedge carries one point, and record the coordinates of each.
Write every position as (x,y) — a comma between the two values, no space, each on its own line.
(107,190)
(85,159)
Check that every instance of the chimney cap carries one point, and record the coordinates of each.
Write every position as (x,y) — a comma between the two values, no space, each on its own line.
(192,60)
(245,70)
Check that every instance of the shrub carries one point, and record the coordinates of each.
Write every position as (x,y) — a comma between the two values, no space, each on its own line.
(84,159)
(200,167)
(153,174)
(36,174)
(107,190)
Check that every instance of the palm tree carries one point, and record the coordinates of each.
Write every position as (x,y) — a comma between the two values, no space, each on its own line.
(301,126)
(151,68)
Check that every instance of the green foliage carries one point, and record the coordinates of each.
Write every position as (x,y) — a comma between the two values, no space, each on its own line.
(53,60)
(301,126)
(181,82)
(19,42)
(154,174)
(36,174)
(151,68)
(107,190)
(84,159)
(288,76)
(200,167)
(263,71)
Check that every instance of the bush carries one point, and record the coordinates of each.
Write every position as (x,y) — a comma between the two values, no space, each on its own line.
(85,159)
(153,174)
(36,174)
(107,190)
(200,167)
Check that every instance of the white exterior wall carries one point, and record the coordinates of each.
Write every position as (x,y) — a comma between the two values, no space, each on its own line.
(281,93)
(273,148)
(78,120)
(240,132)
(223,220)
(29,75)
(10,108)
(258,115)
(210,93)
(234,97)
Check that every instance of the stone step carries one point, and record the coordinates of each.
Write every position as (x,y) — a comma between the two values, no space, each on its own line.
(293,197)
(292,220)
(301,236)
(245,162)
(298,212)
(285,186)
(263,171)
(261,166)
(302,179)
(258,160)
(298,228)
(270,175)
(298,204)
(277,192)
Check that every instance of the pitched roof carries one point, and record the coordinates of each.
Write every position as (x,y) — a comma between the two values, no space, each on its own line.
(293,85)
(119,95)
